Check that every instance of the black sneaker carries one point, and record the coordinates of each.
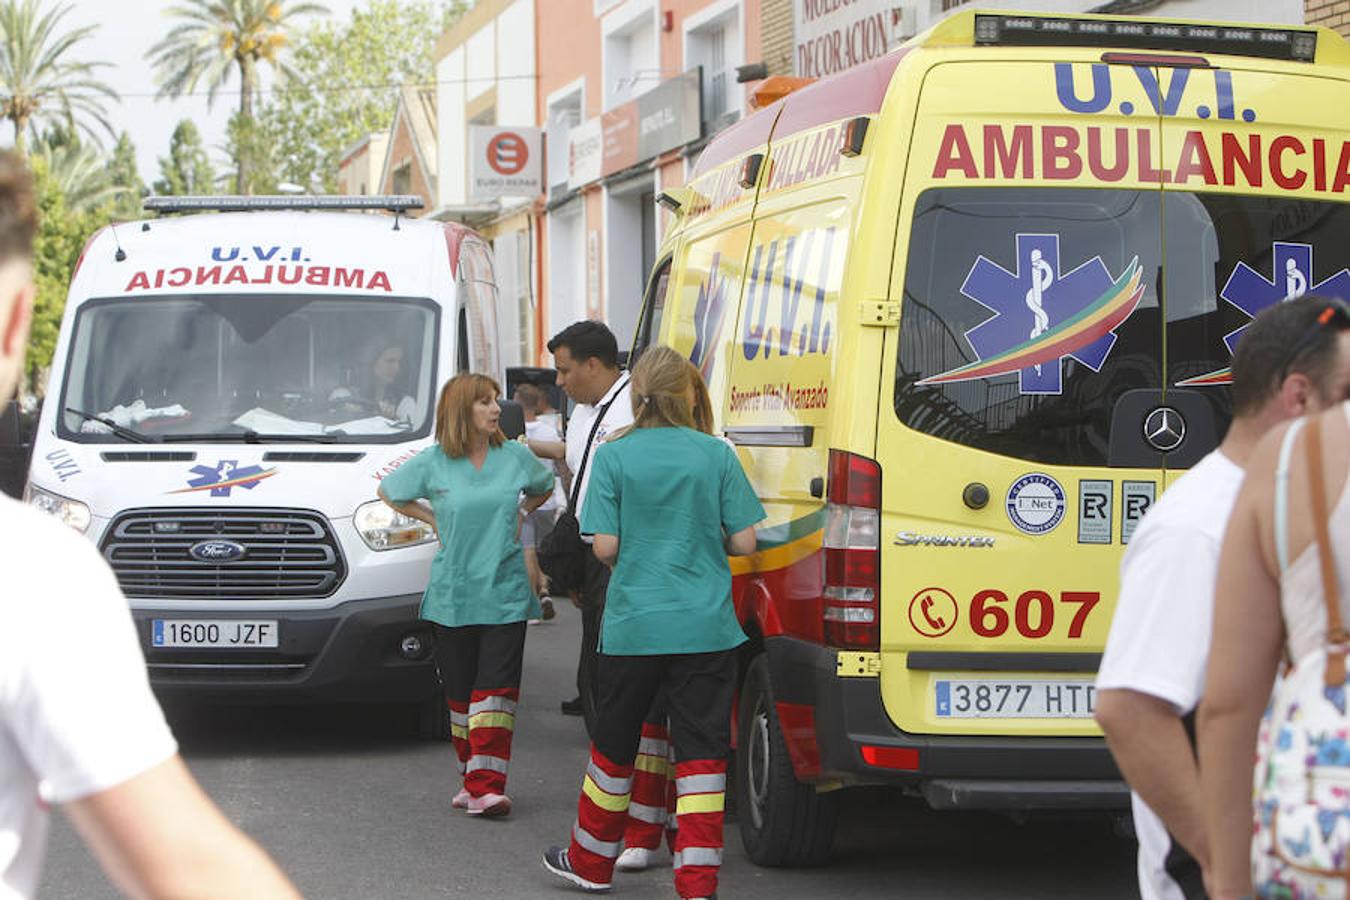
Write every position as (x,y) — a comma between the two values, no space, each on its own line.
(572,707)
(556,861)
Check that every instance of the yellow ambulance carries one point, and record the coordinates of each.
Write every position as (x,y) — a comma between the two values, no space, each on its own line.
(965,310)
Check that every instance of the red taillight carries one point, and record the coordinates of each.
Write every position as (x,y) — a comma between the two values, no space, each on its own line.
(852,592)
(891,757)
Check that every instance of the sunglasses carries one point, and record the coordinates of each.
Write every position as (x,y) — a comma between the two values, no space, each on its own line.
(1336,317)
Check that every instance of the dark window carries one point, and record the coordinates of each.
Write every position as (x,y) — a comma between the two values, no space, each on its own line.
(653,310)
(1242,255)
(462,342)
(991,270)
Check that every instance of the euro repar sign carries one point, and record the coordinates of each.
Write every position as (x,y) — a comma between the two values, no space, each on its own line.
(505,162)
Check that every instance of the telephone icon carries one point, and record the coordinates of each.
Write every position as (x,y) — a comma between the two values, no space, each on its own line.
(937,623)
(933,612)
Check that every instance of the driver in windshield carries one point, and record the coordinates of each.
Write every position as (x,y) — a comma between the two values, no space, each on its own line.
(380,388)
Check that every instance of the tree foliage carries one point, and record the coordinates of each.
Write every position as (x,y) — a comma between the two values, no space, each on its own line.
(41,80)
(345,83)
(62,232)
(215,37)
(187,169)
(124,173)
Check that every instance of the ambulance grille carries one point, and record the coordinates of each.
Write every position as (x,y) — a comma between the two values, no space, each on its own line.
(287,554)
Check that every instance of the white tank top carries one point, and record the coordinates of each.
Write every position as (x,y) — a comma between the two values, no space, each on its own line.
(1301,599)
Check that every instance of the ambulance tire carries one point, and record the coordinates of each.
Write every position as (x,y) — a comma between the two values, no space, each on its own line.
(782,821)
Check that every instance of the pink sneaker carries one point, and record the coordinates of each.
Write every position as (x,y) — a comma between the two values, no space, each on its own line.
(492,806)
(460,800)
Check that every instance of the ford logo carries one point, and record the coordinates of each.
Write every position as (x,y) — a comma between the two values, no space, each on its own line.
(217,551)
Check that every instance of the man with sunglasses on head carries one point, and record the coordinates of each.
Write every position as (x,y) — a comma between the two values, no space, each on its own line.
(1293,360)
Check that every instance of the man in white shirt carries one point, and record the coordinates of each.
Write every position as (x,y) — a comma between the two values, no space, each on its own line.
(1289,363)
(79,727)
(586,355)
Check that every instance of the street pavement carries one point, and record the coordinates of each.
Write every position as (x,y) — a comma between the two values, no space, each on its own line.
(351,809)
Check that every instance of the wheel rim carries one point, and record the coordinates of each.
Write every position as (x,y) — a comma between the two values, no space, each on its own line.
(757,763)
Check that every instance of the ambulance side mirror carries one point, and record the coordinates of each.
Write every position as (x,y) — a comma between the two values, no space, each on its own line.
(512,421)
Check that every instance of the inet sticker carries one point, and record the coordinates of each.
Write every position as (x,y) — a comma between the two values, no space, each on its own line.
(1094,511)
(1136,498)
(1035,503)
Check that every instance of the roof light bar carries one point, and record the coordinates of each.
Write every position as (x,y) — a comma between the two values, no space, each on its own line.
(396,203)
(1044,31)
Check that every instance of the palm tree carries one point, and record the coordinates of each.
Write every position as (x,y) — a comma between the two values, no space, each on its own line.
(39,82)
(79,171)
(217,35)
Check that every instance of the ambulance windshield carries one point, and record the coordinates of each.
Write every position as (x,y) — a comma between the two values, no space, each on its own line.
(248,368)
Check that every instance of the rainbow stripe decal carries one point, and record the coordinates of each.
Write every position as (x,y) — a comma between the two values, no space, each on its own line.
(1094,322)
(1219,376)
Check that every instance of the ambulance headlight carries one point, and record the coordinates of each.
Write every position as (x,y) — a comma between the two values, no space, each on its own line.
(384,529)
(72,512)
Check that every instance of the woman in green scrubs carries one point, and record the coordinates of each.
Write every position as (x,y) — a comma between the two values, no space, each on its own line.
(666,503)
(478,595)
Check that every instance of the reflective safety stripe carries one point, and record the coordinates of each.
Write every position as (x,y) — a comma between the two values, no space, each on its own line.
(607,849)
(491,763)
(459,731)
(655,815)
(459,718)
(700,803)
(603,799)
(701,784)
(657,765)
(608,783)
(459,764)
(493,720)
(653,747)
(492,704)
(697,856)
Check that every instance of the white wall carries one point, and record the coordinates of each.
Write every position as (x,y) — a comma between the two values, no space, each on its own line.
(515,65)
(1277,12)
(631,51)
(624,277)
(451,135)
(567,267)
(1280,12)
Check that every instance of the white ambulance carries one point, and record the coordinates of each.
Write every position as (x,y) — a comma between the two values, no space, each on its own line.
(227,392)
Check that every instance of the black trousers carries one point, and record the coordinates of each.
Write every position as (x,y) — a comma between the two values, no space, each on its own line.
(696,690)
(479,657)
(592,612)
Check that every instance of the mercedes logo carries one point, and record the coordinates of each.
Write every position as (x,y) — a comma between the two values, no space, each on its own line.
(1165,429)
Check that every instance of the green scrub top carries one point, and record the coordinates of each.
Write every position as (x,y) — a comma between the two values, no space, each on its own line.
(671,495)
(478,576)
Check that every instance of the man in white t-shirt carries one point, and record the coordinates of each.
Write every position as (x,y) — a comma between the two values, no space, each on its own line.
(586,355)
(1152,674)
(79,727)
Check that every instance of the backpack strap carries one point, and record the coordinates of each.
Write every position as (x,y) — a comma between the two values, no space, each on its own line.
(1336,633)
(1282,495)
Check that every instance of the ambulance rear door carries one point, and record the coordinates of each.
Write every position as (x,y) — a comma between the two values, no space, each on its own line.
(1256,214)
(1015,391)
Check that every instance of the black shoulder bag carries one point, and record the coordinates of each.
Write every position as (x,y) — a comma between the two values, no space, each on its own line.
(562,552)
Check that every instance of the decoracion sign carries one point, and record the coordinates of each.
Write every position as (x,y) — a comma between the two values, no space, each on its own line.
(833,35)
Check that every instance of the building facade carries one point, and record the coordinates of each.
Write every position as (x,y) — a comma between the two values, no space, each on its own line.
(629,91)
(1329,14)
(410,160)
(485,76)
(362,164)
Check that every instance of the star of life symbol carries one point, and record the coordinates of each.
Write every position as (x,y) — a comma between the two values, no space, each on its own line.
(224,476)
(1042,315)
(1252,292)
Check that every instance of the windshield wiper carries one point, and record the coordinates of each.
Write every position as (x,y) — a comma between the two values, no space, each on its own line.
(125,434)
(248,436)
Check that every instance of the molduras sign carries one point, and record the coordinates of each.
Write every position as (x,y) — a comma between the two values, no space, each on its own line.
(666,117)
(833,35)
(506,162)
